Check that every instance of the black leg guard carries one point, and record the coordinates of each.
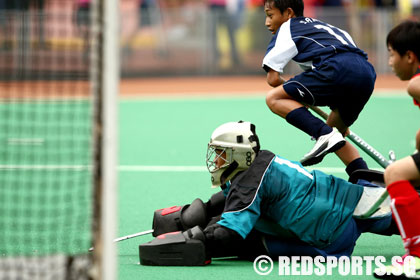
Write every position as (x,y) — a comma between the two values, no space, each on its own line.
(224,242)
(216,204)
(214,220)
(252,247)
(179,218)
(373,176)
(391,230)
(175,249)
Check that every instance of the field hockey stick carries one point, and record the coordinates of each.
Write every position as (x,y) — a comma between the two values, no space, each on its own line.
(362,144)
(130,236)
(378,157)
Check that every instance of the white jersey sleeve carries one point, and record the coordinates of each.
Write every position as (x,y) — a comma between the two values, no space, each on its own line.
(283,51)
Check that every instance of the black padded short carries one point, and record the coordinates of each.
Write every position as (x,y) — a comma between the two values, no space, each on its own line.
(416,158)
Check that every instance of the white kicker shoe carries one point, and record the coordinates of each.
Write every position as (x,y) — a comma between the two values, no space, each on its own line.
(325,144)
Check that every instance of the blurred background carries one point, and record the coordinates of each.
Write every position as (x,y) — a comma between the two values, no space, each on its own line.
(52,87)
(176,37)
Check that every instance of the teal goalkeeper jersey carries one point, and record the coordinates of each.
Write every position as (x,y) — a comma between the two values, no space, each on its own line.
(278,196)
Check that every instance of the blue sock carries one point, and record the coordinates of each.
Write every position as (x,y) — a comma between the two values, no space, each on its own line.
(358,163)
(308,123)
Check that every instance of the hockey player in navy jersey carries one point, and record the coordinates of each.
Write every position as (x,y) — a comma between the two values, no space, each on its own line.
(336,74)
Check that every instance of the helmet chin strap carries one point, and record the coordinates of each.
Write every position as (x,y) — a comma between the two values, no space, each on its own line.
(228,171)
(254,138)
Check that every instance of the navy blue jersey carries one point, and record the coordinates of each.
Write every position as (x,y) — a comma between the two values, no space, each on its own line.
(280,197)
(307,41)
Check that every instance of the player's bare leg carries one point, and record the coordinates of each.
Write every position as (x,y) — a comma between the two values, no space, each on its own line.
(403,169)
(280,103)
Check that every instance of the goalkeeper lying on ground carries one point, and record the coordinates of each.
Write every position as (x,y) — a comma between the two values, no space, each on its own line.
(271,206)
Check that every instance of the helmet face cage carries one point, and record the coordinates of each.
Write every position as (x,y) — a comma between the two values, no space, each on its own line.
(232,149)
(215,154)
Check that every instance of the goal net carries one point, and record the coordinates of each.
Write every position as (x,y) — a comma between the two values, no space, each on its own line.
(51,131)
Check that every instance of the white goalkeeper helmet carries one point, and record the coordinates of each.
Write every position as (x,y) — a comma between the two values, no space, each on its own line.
(232,148)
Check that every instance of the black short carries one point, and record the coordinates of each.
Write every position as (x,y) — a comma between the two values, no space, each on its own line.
(344,82)
(416,158)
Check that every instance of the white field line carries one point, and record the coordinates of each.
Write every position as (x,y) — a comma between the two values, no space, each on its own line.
(42,167)
(138,168)
(25,141)
(144,96)
(161,168)
(167,168)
